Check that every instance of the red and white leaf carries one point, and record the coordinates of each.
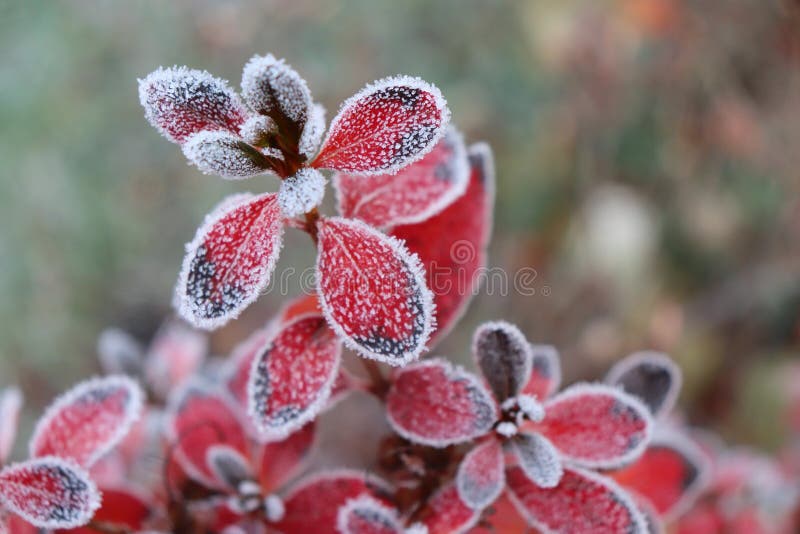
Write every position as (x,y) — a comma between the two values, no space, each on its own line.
(88,420)
(503,356)
(176,352)
(582,502)
(200,418)
(652,377)
(119,353)
(452,244)
(501,517)
(446,513)
(179,102)
(669,475)
(651,516)
(49,492)
(271,87)
(291,380)
(230,260)
(372,291)
(437,404)
(237,372)
(10,406)
(228,465)
(301,192)
(414,194)
(121,509)
(384,127)
(312,506)
(545,372)
(282,460)
(538,459)
(481,475)
(366,515)
(596,426)
(224,154)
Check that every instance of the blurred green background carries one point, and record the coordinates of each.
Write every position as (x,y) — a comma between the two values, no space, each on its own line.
(648,156)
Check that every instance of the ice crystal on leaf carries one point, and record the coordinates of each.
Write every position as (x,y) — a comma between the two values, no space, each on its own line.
(223,154)
(366,515)
(272,88)
(302,192)
(481,475)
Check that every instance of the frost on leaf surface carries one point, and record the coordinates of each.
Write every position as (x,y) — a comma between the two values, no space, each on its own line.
(224,154)
(481,476)
(230,259)
(88,420)
(650,376)
(313,131)
(291,380)
(10,406)
(372,291)
(545,372)
(415,193)
(180,102)
(452,244)
(446,513)
(582,502)
(504,357)
(282,460)
(49,492)
(538,459)
(237,373)
(596,426)
(366,515)
(301,192)
(176,352)
(384,127)
(434,403)
(271,87)
(502,517)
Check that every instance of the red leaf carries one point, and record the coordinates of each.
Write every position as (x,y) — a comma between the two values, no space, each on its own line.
(652,377)
(230,259)
(89,420)
(302,305)
(49,492)
(273,88)
(446,513)
(365,515)
(179,102)
(503,356)
(199,418)
(175,354)
(596,426)
(501,517)
(582,502)
(313,505)
(10,406)
(545,372)
(372,291)
(241,362)
(414,194)
(452,245)
(481,475)
(282,460)
(291,380)
(434,403)
(384,127)
(122,508)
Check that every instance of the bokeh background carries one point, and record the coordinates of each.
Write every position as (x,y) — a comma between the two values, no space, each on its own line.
(648,158)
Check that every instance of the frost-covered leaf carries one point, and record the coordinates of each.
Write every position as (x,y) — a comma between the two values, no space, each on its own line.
(504,357)
(312,506)
(452,245)
(670,474)
(271,87)
(538,458)
(651,516)
(313,131)
(180,102)
(545,372)
(228,465)
(481,475)
(119,353)
(651,376)
(414,194)
(291,380)
(198,419)
(237,372)
(301,192)
(88,420)
(372,291)
(582,502)
(10,406)
(437,404)
(446,513)
(501,517)
(387,125)
(176,352)
(366,515)
(223,154)
(49,492)
(230,259)
(596,426)
(282,460)
(121,508)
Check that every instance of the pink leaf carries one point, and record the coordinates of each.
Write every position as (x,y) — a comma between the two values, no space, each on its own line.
(273,88)
(502,517)
(538,459)
(652,377)
(596,426)
(582,502)
(10,406)
(230,259)
(89,420)
(504,357)
(372,291)
(481,475)
(180,102)
(414,194)
(446,513)
(121,508)
(545,372)
(224,154)
(384,127)
(436,404)
(365,515)
(176,352)
(452,245)
(282,460)
(291,380)
(49,492)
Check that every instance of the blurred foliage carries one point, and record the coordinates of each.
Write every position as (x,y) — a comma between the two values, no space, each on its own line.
(647,155)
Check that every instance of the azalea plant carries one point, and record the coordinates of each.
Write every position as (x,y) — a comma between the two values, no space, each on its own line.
(172,440)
